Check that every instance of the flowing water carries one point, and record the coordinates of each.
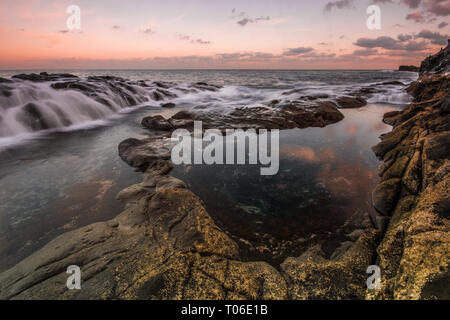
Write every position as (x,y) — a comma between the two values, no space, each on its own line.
(59,167)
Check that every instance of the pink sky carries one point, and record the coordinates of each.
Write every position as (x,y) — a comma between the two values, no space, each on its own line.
(283,34)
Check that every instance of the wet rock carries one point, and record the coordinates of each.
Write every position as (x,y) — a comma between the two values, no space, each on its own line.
(43,76)
(140,154)
(385,196)
(391,83)
(350,102)
(3,80)
(290,115)
(157,122)
(168,105)
(414,255)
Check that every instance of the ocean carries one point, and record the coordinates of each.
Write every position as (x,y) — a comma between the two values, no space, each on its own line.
(60,170)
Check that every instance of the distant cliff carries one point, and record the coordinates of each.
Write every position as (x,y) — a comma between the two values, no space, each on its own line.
(409,68)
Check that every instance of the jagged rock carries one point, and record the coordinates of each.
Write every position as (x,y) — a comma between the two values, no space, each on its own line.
(43,76)
(385,196)
(157,122)
(438,63)
(350,102)
(414,254)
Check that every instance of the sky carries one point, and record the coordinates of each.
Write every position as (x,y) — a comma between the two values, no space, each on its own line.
(211,34)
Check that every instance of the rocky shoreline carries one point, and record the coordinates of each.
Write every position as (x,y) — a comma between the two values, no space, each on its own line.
(166,246)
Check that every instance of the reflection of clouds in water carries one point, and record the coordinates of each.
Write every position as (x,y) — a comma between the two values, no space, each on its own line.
(343,178)
(307,153)
(350,129)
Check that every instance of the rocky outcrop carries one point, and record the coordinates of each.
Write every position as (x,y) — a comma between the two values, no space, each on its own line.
(166,246)
(285,116)
(413,196)
(437,63)
(350,102)
(409,68)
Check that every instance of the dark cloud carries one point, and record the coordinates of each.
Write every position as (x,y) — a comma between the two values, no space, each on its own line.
(243,22)
(404,37)
(415,16)
(438,7)
(382,1)
(442,25)
(116,27)
(380,42)
(433,37)
(340,4)
(297,51)
(389,43)
(365,52)
(413,4)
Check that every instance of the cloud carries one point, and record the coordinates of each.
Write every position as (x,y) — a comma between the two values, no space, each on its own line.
(404,37)
(243,22)
(442,25)
(413,4)
(380,42)
(434,37)
(297,51)
(340,4)
(148,31)
(389,43)
(438,7)
(193,40)
(382,1)
(428,9)
(116,27)
(415,16)
(365,52)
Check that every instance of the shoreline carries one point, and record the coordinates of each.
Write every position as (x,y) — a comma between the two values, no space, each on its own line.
(166,246)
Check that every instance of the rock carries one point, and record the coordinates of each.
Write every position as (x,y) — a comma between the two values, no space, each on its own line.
(385,196)
(157,122)
(414,255)
(392,83)
(438,63)
(409,68)
(341,250)
(311,276)
(43,76)
(286,116)
(354,235)
(350,102)
(140,154)
(168,105)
